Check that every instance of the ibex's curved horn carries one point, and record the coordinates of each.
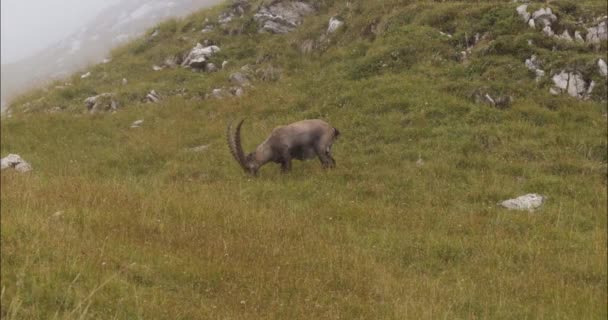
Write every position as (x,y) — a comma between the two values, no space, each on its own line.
(234,143)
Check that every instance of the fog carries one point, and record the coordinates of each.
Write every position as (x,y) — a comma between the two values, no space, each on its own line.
(29,26)
(44,40)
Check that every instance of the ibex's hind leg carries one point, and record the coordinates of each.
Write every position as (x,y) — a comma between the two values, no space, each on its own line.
(325,157)
(286,161)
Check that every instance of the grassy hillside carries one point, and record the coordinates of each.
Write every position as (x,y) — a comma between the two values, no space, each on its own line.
(125,223)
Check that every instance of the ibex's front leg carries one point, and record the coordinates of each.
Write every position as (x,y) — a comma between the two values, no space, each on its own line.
(285,160)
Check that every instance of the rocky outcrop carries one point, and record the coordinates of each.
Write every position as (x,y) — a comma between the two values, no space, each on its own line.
(137,124)
(533,64)
(573,83)
(530,202)
(598,33)
(283,16)
(152,97)
(602,67)
(239,78)
(101,102)
(197,57)
(14,161)
(334,24)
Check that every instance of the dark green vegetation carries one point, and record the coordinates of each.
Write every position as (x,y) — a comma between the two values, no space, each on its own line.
(125,223)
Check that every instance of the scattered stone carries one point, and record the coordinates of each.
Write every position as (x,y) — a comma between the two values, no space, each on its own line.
(240,78)
(101,102)
(522,10)
(578,37)
(603,68)
(544,16)
(86,75)
(199,148)
(282,16)
(307,46)
(224,64)
(445,34)
(565,36)
(172,61)
(152,97)
(124,81)
(217,93)
(528,202)
(210,67)
(534,65)
(15,161)
(197,57)
(419,162)
(106,60)
(208,28)
(156,68)
(137,124)
(237,91)
(548,31)
(532,24)
(154,34)
(598,33)
(572,83)
(334,24)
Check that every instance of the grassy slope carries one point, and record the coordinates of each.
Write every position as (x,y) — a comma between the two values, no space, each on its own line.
(148,230)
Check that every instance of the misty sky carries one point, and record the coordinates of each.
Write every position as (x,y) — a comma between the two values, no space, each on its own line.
(32,25)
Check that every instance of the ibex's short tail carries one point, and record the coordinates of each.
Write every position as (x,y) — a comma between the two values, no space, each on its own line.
(336,133)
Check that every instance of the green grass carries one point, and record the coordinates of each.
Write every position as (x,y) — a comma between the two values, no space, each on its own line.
(126,223)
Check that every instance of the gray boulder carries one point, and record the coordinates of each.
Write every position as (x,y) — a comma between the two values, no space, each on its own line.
(334,24)
(544,16)
(197,57)
(528,202)
(603,68)
(572,83)
(239,78)
(14,161)
(101,102)
(283,16)
(598,33)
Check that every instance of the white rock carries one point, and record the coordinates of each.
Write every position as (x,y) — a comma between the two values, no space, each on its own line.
(544,16)
(576,85)
(523,12)
(578,37)
(532,24)
(137,123)
(561,80)
(532,63)
(224,64)
(124,81)
(529,202)
(152,96)
(199,148)
(207,29)
(86,75)
(598,33)
(554,91)
(282,17)
(239,78)
(334,25)
(565,36)
(603,68)
(106,60)
(548,31)
(101,102)
(156,68)
(210,67)
(197,57)
(15,161)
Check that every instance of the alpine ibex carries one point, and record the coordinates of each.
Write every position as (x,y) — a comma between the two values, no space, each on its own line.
(300,140)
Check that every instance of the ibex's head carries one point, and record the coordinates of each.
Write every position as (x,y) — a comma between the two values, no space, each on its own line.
(248,163)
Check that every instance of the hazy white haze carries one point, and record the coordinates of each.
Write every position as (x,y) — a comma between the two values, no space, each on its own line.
(29,26)
(44,40)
